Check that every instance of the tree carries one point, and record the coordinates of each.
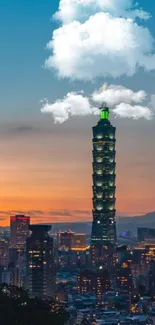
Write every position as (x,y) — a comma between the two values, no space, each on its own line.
(16,307)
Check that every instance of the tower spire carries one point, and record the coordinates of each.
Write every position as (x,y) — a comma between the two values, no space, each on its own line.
(104,112)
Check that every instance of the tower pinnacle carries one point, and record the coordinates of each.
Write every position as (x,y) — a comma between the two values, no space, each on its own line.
(104,114)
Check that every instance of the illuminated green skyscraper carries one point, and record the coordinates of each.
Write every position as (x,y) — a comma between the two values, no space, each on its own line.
(103,239)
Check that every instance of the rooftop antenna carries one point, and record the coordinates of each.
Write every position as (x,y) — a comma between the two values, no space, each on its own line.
(104,114)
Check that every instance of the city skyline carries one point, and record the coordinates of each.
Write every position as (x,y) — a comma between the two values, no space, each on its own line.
(46,169)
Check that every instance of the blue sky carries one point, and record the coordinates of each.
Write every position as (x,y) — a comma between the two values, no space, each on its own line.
(26,29)
(45,166)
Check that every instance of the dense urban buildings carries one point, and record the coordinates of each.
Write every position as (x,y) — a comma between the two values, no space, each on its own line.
(65,239)
(95,279)
(19,231)
(94,282)
(103,239)
(124,280)
(4,252)
(69,240)
(79,242)
(145,234)
(41,277)
(151,277)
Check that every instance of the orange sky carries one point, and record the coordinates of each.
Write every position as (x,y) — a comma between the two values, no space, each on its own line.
(49,170)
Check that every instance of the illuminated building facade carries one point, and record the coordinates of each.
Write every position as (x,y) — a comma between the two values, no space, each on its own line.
(71,260)
(103,237)
(145,234)
(79,242)
(65,239)
(19,231)
(69,240)
(124,278)
(41,277)
(94,282)
(4,252)
(151,278)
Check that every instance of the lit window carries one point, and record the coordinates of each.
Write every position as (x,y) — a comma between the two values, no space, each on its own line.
(99,136)
(99,148)
(99,159)
(99,183)
(99,207)
(99,196)
(99,172)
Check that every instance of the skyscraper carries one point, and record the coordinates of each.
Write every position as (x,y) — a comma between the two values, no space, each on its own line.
(93,281)
(103,237)
(4,252)
(19,231)
(65,239)
(151,277)
(40,262)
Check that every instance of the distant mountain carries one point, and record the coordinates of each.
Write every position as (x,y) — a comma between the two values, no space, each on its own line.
(123,224)
(81,227)
(144,219)
(132,223)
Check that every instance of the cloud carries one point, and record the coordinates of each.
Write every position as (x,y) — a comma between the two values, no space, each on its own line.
(73,104)
(135,112)
(23,129)
(152,102)
(85,212)
(100,39)
(48,216)
(122,101)
(114,95)
(70,10)
(31,213)
(69,213)
(62,213)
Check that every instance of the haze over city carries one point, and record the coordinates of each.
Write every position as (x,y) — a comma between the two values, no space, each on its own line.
(46,168)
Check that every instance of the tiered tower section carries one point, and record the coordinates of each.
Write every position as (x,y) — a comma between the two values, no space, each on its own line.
(104,225)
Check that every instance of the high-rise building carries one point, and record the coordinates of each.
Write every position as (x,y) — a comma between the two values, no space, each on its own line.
(4,252)
(103,237)
(69,240)
(79,242)
(151,277)
(93,281)
(124,280)
(71,260)
(65,239)
(19,231)
(41,279)
(145,234)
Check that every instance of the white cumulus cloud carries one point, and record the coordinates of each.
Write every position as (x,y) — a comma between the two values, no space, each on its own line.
(73,104)
(135,112)
(114,95)
(70,10)
(99,39)
(122,101)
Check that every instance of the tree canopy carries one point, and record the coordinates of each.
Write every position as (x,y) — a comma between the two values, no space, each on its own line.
(17,308)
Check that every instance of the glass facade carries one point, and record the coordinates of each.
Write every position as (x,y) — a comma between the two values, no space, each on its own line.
(104,226)
(19,231)
(41,276)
